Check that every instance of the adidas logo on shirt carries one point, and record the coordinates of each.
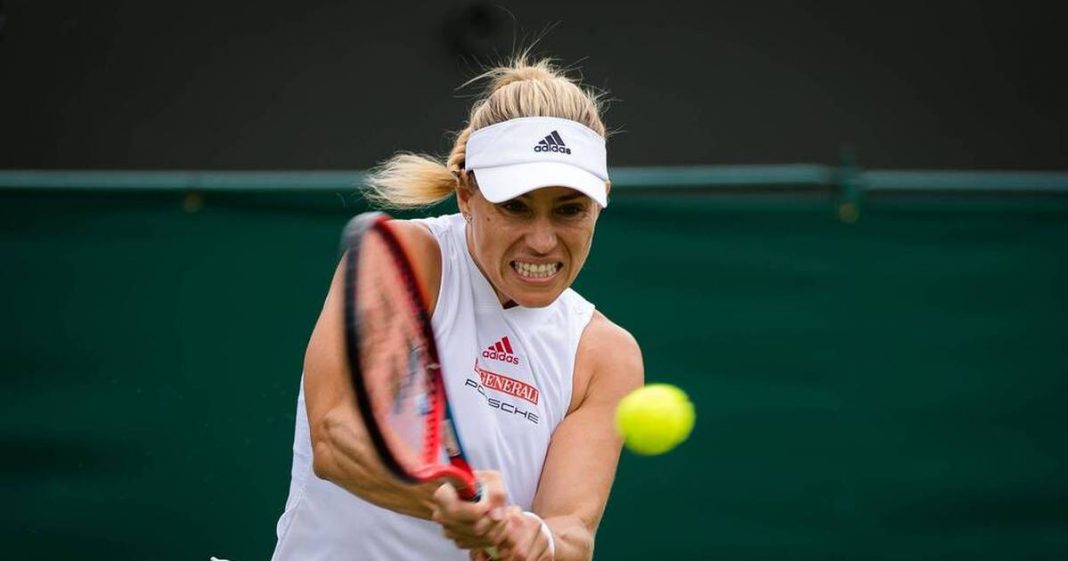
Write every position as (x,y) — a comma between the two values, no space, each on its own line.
(552,143)
(502,351)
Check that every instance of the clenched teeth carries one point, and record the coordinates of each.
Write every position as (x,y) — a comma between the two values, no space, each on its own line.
(537,271)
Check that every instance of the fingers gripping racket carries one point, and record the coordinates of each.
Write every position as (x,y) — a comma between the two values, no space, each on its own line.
(393,360)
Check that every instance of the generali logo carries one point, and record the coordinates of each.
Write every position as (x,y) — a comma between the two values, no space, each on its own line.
(502,351)
(504,384)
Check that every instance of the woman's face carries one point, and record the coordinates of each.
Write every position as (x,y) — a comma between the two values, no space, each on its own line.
(532,247)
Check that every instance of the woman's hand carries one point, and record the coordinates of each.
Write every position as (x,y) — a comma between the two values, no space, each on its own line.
(468,524)
(518,536)
(490,528)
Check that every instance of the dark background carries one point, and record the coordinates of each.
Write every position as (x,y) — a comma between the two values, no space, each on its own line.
(341,85)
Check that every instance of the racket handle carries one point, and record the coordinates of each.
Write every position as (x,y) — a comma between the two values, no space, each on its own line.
(472,493)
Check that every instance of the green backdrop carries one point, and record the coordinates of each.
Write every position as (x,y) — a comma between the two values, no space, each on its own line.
(890,389)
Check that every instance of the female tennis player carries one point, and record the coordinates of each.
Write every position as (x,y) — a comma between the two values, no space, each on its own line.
(532,371)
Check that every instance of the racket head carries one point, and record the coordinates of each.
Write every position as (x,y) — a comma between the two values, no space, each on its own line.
(393,359)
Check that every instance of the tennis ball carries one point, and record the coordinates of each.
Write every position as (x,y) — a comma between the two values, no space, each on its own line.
(654,419)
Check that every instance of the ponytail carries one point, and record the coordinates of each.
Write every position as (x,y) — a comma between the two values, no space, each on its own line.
(409,181)
(519,89)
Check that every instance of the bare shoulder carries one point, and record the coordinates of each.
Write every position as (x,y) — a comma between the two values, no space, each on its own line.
(608,363)
(424,251)
(608,340)
(415,236)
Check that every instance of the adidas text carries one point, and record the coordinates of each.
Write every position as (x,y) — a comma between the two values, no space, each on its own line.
(552,148)
(503,357)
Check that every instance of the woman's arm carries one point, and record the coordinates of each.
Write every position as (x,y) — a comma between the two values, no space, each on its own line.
(581,463)
(579,466)
(341,449)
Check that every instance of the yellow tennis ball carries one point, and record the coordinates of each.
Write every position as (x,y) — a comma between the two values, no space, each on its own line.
(654,419)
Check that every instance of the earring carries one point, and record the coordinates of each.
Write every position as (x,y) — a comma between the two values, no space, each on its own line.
(467,217)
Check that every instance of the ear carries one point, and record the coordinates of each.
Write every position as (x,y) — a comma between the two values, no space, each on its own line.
(464,192)
(607,187)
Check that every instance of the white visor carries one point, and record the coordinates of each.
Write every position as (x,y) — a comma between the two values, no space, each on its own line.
(519,155)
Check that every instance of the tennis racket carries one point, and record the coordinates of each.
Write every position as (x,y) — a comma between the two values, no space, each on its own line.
(393,360)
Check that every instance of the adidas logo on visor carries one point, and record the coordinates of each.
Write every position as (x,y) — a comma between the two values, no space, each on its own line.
(552,143)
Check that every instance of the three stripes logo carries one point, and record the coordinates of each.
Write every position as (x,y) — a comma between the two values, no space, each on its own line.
(502,351)
(552,143)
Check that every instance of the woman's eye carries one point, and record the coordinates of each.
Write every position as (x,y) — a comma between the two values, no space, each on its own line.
(571,210)
(513,206)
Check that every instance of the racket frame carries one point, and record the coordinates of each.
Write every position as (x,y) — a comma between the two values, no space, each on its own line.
(440,427)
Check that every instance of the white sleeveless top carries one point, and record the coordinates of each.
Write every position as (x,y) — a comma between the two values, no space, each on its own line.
(508,376)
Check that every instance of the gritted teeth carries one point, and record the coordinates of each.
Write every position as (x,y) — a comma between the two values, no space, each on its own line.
(536,270)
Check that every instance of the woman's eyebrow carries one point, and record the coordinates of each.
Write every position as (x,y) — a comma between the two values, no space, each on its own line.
(562,198)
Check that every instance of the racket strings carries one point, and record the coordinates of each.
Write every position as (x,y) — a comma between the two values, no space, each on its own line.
(435,391)
(404,394)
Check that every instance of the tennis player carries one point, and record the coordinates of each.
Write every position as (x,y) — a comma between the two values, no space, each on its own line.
(533,372)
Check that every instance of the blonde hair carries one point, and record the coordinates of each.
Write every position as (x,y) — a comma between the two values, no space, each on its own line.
(519,89)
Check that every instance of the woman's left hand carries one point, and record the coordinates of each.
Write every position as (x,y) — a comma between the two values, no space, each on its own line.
(490,526)
(516,536)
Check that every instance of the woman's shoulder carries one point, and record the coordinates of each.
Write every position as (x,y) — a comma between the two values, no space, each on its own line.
(606,338)
(609,360)
(424,251)
(418,238)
